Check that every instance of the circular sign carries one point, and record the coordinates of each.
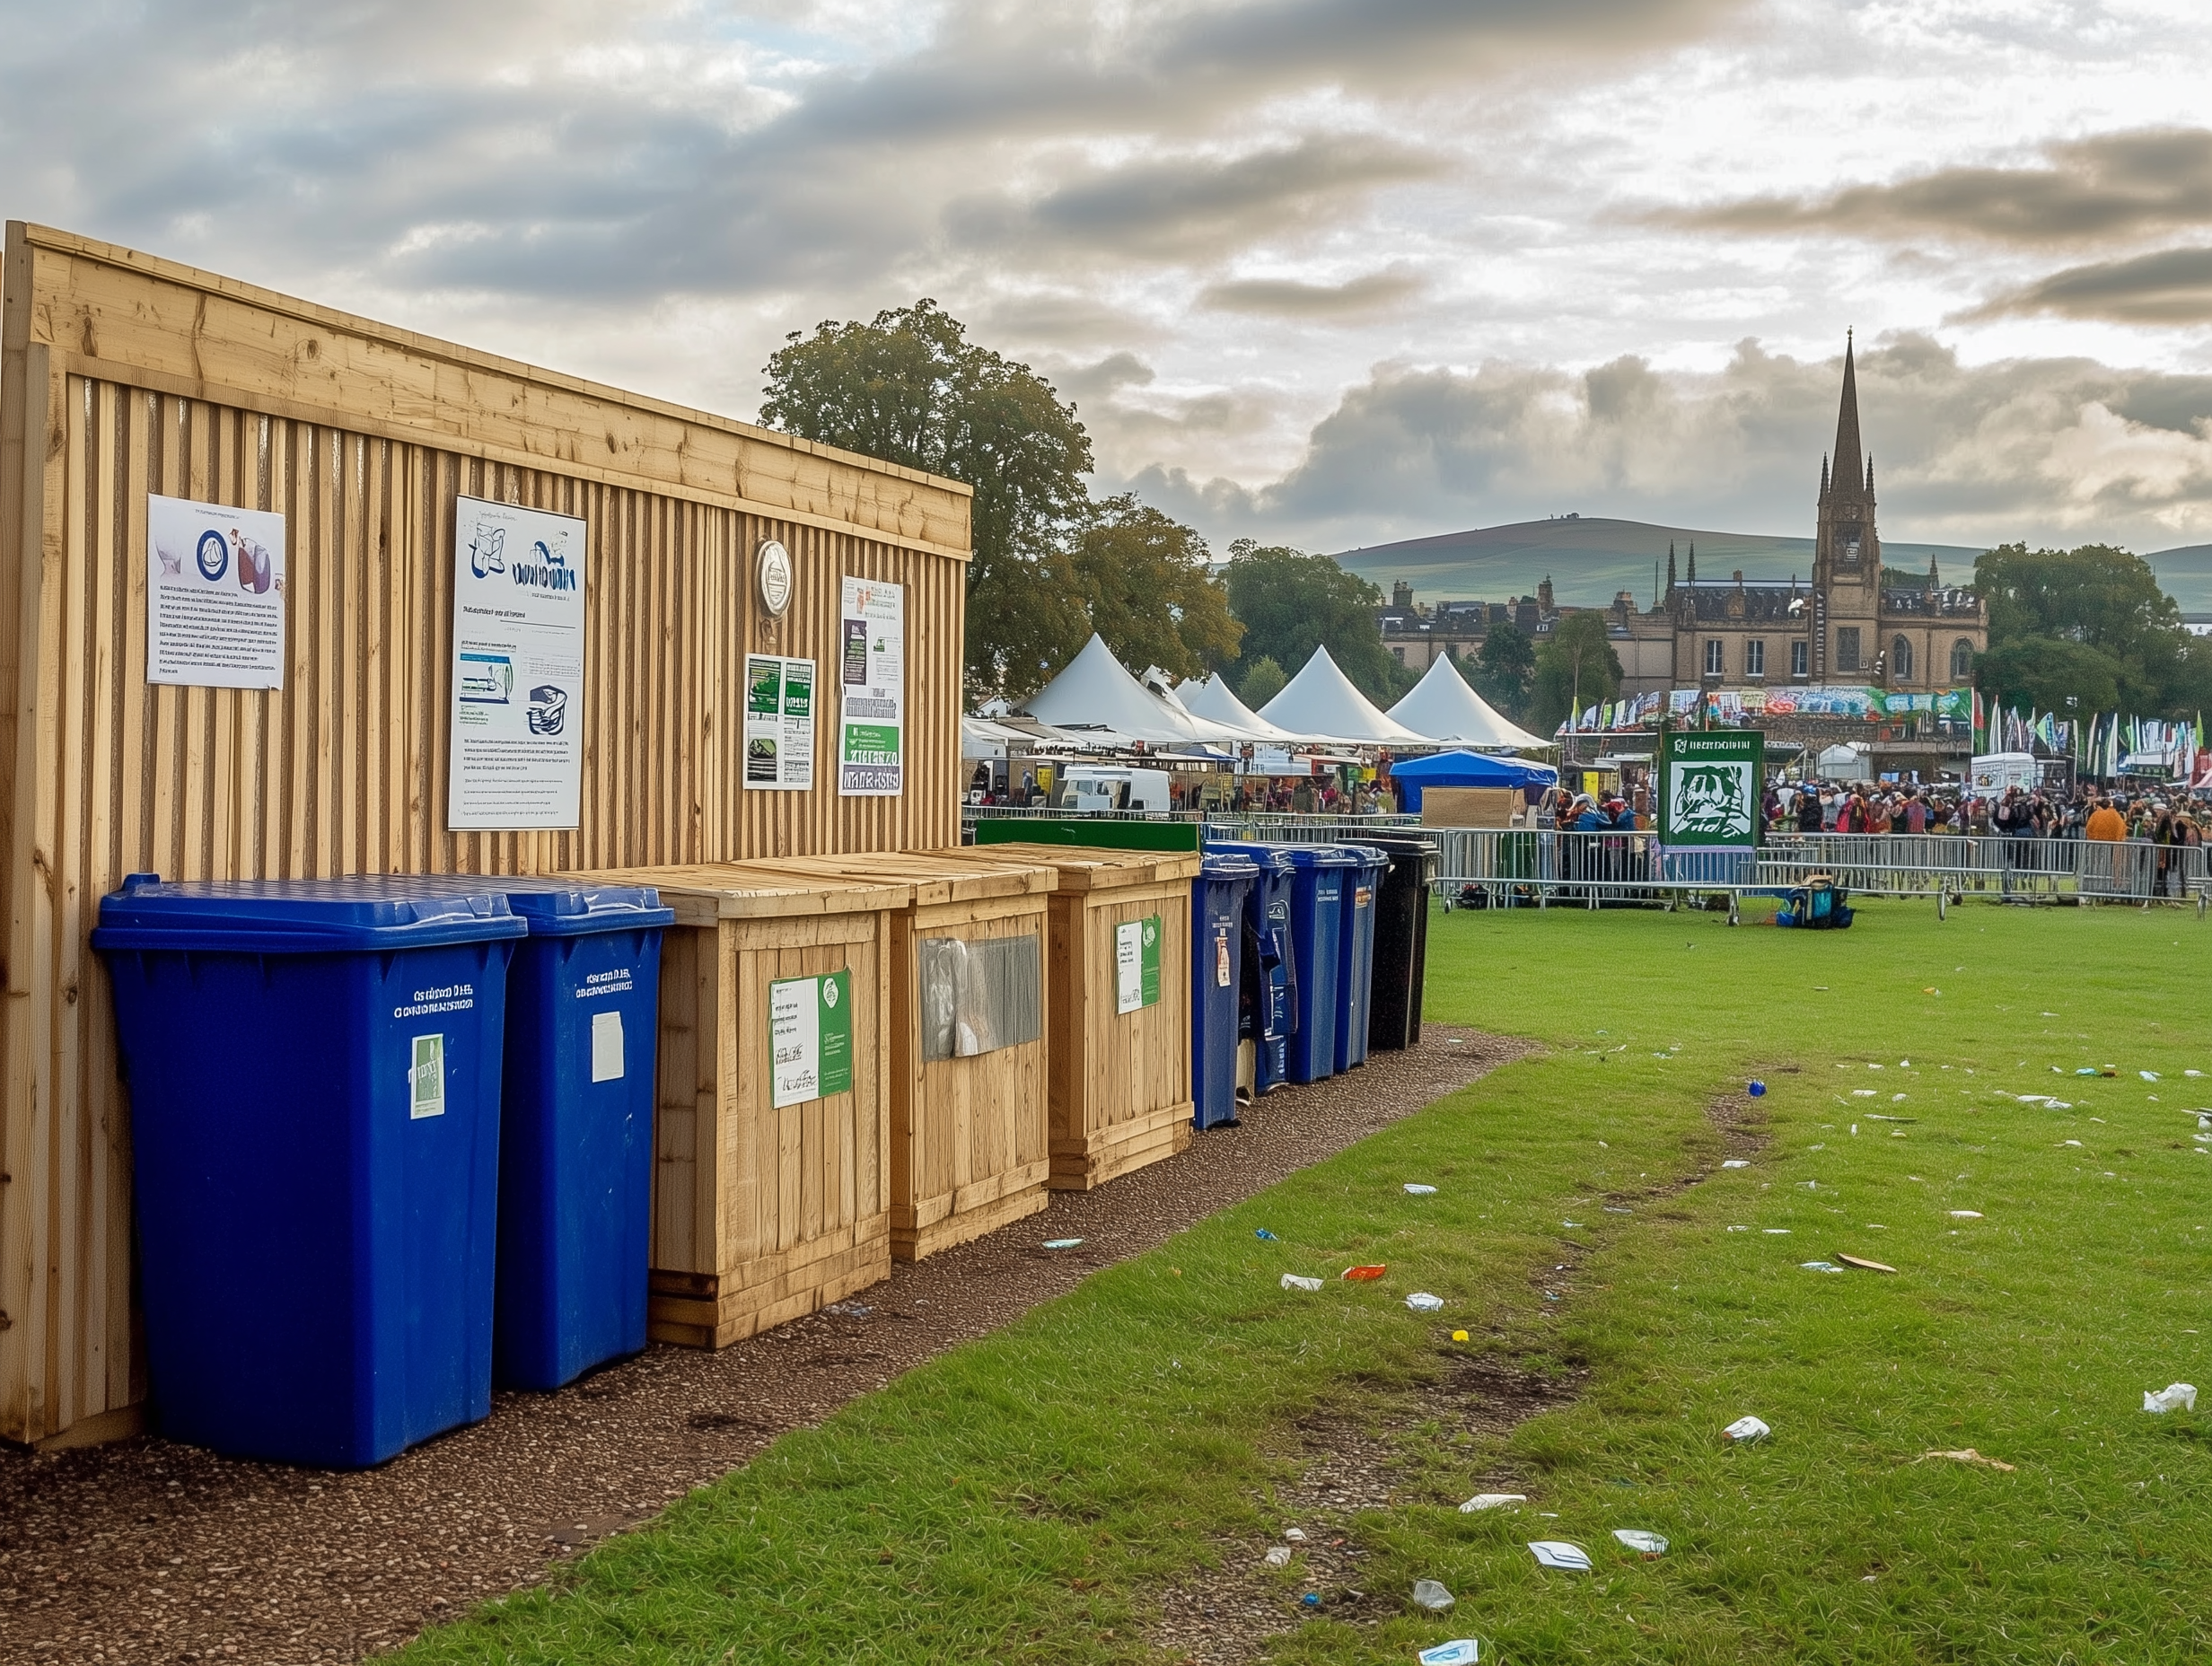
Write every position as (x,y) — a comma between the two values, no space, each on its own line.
(214,557)
(773,574)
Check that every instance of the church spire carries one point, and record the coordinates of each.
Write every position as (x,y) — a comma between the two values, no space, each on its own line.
(1823,477)
(1847,451)
(1669,566)
(1693,564)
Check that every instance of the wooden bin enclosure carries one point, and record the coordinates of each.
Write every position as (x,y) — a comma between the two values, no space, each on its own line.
(970,1137)
(122,376)
(1119,1082)
(761,1214)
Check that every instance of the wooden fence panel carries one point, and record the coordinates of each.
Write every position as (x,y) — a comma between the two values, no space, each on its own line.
(122,377)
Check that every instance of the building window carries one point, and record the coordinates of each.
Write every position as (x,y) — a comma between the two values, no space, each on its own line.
(1900,659)
(1713,656)
(1798,658)
(1961,660)
(1755,658)
(1846,648)
(1400,654)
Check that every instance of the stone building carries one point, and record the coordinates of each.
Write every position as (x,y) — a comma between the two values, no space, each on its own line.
(1843,625)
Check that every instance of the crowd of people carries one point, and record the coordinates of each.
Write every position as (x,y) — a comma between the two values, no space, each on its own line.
(2157,816)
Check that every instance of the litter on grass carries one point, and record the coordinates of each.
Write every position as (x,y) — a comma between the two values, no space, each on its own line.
(1966,1214)
(1062,1243)
(1734,1163)
(1757,1089)
(1312,1600)
(1363,1274)
(1776,1231)
(1279,1556)
(1819,1267)
(1291,1281)
(1458,1652)
(2147,1075)
(1428,1594)
(1458,1336)
(2173,1397)
(1746,1429)
(1419,1190)
(1574,1224)
(1863,1264)
(1968,1455)
(1297,1535)
(1264,1232)
(1558,1553)
(1492,1501)
(1421,1302)
(1636,1538)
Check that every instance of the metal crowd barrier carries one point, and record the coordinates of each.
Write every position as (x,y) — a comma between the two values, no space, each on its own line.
(1537,867)
(1264,826)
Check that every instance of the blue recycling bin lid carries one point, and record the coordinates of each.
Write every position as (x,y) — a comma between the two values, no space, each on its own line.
(1321,857)
(571,911)
(1268,858)
(301,916)
(1369,855)
(1224,865)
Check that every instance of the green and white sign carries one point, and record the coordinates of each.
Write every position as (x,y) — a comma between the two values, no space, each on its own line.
(872,686)
(810,1037)
(1136,964)
(779,722)
(1708,796)
(425,1078)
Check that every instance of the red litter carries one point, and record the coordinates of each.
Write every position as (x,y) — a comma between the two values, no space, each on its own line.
(1361,1274)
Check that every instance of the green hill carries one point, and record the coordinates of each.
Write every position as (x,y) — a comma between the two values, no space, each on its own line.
(1588,558)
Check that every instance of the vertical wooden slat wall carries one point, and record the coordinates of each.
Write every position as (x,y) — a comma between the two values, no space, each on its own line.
(122,376)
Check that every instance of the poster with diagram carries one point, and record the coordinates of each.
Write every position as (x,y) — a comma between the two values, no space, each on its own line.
(779,724)
(872,686)
(214,595)
(810,1037)
(517,722)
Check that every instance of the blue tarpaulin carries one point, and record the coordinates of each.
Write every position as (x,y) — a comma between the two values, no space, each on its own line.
(1467,770)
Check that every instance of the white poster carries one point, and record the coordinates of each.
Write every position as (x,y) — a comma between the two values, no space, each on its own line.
(779,722)
(872,722)
(518,668)
(214,595)
(810,1037)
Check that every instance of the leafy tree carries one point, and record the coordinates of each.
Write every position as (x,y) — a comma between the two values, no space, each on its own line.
(1263,680)
(1576,668)
(2039,672)
(1145,581)
(1503,669)
(1291,603)
(2129,649)
(910,387)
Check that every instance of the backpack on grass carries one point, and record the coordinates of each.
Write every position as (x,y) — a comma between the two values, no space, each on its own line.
(1817,905)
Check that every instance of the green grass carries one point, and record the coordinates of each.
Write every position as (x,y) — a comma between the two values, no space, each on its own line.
(1028,1496)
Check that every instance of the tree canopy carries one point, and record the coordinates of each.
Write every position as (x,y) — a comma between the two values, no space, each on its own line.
(1290,604)
(1145,579)
(1576,668)
(910,387)
(2091,622)
(1503,670)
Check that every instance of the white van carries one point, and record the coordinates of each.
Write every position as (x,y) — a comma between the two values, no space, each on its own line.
(1110,786)
(1993,772)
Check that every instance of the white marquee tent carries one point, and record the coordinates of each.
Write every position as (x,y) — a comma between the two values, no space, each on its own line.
(1095,696)
(1443,707)
(1320,700)
(1215,701)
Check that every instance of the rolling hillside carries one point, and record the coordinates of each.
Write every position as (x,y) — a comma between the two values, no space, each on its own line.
(1588,558)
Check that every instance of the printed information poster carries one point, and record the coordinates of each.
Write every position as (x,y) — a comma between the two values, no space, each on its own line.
(214,595)
(518,668)
(779,722)
(1136,964)
(810,1037)
(872,723)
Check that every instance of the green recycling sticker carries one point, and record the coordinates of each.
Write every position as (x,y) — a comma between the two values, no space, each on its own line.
(1136,964)
(810,1037)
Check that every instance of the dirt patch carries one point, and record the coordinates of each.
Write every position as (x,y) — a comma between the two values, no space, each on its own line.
(148,1551)
(1230,1615)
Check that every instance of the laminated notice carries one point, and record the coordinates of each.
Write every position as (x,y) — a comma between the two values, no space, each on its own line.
(427,1078)
(607,1047)
(979,994)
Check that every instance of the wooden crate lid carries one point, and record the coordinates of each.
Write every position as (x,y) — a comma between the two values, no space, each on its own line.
(1087,868)
(937,876)
(709,892)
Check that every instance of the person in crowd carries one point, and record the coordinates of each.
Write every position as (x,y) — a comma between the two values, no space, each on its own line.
(1810,813)
(1916,813)
(2105,823)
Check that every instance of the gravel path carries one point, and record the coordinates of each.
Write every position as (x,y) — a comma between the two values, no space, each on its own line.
(147,1551)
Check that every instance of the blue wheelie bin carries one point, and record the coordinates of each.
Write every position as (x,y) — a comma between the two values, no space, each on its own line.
(1217,897)
(313,1069)
(1266,997)
(575,1147)
(1363,887)
(1319,873)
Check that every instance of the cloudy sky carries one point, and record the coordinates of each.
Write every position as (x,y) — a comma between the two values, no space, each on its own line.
(1326,271)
